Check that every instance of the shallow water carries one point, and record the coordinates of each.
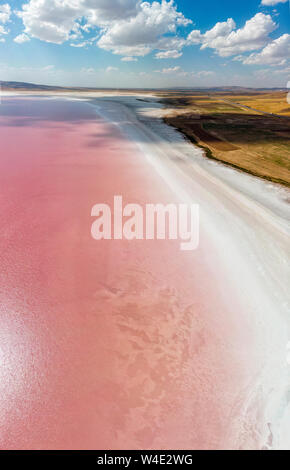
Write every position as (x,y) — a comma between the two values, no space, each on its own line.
(109,344)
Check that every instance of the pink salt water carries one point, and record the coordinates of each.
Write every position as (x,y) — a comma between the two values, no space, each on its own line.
(108,344)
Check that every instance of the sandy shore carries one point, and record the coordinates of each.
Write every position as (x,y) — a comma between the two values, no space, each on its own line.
(185,350)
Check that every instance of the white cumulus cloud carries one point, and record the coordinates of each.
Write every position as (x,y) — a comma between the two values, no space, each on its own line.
(275,53)
(168,54)
(21,38)
(50,20)
(129,59)
(143,32)
(270,3)
(5,13)
(111,69)
(169,70)
(2,30)
(226,40)
(125,27)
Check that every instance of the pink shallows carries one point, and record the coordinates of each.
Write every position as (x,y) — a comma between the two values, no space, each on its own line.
(103,345)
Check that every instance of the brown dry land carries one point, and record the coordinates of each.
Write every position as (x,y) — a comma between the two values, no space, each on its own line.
(249,131)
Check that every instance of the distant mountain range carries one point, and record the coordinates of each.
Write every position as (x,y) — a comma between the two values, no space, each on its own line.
(26,86)
(7,85)
(229,89)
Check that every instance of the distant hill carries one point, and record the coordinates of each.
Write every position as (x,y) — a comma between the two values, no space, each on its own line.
(26,86)
(227,89)
(7,85)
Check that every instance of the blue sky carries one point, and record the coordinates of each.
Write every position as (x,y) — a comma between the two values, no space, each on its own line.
(131,43)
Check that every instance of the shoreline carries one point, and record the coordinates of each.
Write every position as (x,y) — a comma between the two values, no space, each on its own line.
(208,153)
(249,140)
(273,310)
